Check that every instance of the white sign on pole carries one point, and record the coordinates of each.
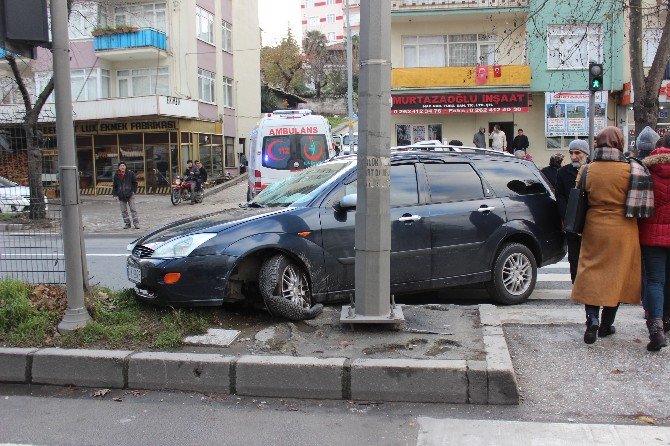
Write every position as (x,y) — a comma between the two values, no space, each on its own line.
(567,113)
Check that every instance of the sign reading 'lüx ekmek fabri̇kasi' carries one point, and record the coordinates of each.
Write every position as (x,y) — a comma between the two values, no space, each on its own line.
(447,103)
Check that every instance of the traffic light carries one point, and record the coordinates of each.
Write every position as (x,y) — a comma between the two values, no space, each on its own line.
(23,26)
(595,76)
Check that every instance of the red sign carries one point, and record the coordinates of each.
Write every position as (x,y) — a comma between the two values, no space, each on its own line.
(481,75)
(463,103)
(497,71)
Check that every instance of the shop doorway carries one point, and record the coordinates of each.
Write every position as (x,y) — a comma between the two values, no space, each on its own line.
(507,128)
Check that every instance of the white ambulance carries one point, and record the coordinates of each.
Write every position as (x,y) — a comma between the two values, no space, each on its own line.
(286,141)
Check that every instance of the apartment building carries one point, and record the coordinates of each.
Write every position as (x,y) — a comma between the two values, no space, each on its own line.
(462,65)
(154,83)
(329,17)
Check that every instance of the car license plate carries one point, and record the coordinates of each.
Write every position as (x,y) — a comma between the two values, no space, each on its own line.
(134,274)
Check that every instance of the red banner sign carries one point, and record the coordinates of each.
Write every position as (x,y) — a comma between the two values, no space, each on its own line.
(460,103)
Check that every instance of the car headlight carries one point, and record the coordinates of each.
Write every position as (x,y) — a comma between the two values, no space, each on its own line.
(182,246)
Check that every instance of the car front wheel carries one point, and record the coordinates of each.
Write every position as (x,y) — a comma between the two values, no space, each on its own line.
(285,287)
(514,275)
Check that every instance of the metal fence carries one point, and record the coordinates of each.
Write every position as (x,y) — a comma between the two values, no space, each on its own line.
(30,250)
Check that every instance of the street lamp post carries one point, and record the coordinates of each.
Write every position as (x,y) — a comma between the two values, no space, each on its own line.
(373,222)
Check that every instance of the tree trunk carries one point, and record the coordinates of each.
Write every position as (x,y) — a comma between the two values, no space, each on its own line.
(37,204)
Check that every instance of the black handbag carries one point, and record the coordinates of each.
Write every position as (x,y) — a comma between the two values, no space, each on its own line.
(578,204)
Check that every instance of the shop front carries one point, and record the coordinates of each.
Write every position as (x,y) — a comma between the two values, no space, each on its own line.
(155,149)
(448,116)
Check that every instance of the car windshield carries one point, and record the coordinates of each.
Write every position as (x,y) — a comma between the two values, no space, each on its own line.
(345,140)
(302,187)
(4,182)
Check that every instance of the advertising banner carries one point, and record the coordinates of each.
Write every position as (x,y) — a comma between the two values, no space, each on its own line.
(453,103)
(566,113)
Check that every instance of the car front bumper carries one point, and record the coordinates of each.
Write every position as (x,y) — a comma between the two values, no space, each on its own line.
(203,280)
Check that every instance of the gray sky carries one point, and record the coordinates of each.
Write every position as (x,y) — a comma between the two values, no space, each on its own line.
(274,17)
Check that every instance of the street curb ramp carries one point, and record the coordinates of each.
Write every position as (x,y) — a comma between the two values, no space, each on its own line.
(491,381)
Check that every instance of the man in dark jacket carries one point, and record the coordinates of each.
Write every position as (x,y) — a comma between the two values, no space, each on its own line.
(520,142)
(565,182)
(551,171)
(479,140)
(202,174)
(124,188)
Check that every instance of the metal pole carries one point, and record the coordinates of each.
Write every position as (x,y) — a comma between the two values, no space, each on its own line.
(592,121)
(373,221)
(350,79)
(76,315)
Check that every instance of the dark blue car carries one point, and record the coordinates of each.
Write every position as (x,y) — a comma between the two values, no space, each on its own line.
(457,219)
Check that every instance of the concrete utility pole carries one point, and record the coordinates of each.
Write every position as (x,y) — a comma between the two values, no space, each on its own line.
(76,315)
(350,79)
(373,221)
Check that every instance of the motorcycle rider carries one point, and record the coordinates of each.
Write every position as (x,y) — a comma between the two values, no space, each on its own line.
(202,175)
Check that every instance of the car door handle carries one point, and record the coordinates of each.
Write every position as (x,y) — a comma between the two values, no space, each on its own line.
(409,218)
(486,209)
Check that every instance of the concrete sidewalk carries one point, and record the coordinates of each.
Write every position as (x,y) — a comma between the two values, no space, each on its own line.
(417,362)
(101,214)
(457,432)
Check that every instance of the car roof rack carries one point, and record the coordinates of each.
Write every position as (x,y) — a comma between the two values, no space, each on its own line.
(449,148)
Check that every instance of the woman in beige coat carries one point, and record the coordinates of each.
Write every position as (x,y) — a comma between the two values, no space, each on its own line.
(609,271)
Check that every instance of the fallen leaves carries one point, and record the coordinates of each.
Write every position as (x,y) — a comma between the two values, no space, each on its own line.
(101,393)
(646,419)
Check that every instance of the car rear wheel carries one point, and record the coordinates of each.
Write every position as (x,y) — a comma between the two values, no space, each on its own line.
(514,275)
(175,198)
(281,277)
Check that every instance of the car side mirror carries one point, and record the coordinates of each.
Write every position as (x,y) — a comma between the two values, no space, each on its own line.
(347,202)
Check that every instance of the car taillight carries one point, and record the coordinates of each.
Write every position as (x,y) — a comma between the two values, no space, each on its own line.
(257,185)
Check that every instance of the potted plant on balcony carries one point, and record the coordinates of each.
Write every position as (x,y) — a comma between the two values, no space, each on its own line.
(107,30)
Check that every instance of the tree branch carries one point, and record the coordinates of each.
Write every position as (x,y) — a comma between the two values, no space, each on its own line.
(18,78)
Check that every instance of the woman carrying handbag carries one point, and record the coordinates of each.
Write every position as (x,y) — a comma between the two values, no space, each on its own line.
(609,273)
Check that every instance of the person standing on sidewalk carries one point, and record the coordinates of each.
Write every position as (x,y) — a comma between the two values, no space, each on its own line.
(498,139)
(520,142)
(565,181)
(610,262)
(646,142)
(479,140)
(125,186)
(655,241)
(551,171)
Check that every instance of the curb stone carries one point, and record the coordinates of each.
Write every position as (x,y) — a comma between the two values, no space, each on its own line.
(221,187)
(502,383)
(413,380)
(88,368)
(16,364)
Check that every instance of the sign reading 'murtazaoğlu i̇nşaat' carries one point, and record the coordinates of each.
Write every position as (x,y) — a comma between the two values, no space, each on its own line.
(448,103)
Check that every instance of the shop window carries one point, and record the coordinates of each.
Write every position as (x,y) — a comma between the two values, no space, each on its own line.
(457,50)
(186,150)
(206,152)
(407,134)
(106,151)
(156,148)
(206,86)
(174,156)
(131,151)
(85,161)
(230,152)
(142,82)
(217,156)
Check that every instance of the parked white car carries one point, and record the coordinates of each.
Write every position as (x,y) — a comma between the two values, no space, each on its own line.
(13,197)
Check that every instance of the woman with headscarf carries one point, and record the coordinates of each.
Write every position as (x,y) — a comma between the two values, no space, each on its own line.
(610,266)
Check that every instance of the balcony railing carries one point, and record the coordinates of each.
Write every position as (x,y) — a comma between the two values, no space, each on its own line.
(432,5)
(134,39)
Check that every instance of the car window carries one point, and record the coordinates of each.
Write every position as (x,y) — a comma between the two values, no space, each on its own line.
(453,182)
(511,178)
(404,191)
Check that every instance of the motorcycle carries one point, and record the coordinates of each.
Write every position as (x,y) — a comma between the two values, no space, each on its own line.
(184,190)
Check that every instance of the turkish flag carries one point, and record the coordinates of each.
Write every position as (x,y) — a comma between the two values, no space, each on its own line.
(497,71)
(481,75)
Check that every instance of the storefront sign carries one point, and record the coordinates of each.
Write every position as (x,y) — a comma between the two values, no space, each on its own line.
(566,113)
(448,103)
(115,127)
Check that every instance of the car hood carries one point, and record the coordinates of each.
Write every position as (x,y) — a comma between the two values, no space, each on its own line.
(215,222)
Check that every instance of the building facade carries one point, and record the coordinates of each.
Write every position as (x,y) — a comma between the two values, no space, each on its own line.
(329,17)
(459,66)
(154,83)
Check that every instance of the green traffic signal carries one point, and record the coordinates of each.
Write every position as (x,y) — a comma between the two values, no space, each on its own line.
(595,76)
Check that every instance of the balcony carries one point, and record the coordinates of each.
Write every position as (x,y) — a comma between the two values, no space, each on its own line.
(138,44)
(432,6)
(112,108)
(459,77)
